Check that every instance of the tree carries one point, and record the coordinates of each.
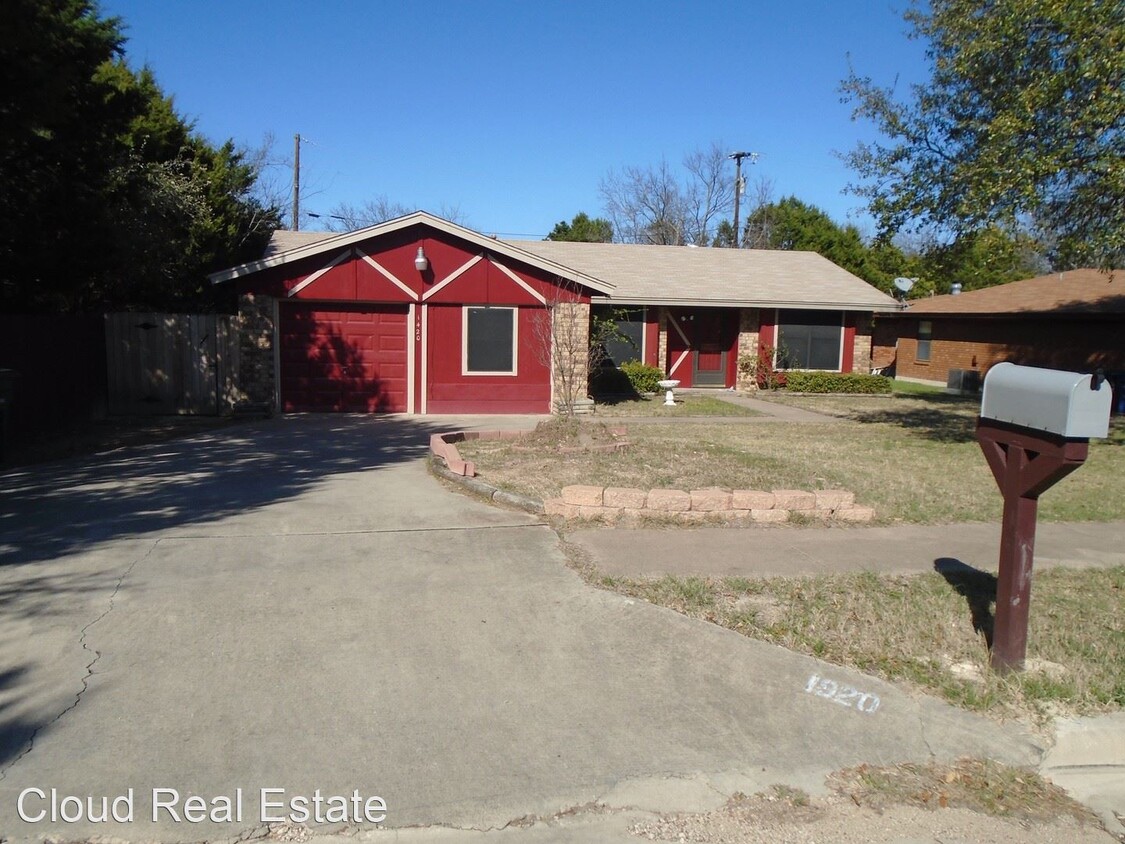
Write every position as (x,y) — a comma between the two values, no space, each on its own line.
(652,204)
(1022,121)
(756,232)
(562,343)
(979,259)
(571,342)
(346,217)
(583,229)
(111,199)
(793,224)
(724,235)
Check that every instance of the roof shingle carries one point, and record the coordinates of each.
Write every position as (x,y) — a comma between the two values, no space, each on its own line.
(686,275)
(1074,291)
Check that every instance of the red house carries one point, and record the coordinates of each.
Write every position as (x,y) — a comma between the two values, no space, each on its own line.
(694,312)
(420,315)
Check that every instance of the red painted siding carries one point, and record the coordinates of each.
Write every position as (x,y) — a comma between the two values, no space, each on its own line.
(767,331)
(652,336)
(450,391)
(847,359)
(321,335)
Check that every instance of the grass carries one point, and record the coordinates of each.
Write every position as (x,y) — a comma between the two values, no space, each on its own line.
(979,785)
(929,631)
(692,405)
(914,459)
(910,388)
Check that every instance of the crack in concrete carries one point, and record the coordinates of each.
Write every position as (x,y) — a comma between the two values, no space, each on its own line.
(922,733)
(89,666)
(355,532)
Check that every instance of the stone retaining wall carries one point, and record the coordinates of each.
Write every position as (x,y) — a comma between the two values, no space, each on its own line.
(711,505)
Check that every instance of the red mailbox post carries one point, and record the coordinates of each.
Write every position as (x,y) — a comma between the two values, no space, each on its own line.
(1034,428)
(1025,465)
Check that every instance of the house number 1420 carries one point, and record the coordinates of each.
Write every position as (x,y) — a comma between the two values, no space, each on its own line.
(843,695)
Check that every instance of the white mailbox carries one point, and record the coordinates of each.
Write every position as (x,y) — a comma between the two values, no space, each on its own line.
(1063,403)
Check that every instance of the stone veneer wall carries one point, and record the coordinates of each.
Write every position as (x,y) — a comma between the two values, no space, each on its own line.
(702,506)
(256,379)
(749,324)
(662,339)
(861,346)
(570,341)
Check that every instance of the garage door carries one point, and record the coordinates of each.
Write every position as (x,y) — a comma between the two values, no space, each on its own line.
(343,358)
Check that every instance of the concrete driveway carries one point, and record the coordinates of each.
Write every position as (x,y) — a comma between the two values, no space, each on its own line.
(297,604)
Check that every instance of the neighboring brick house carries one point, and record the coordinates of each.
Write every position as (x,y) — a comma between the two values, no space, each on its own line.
(1071,320)
(352,322)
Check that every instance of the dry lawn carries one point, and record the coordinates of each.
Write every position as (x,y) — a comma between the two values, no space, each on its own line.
(929,630)
(686,405)
(913,458)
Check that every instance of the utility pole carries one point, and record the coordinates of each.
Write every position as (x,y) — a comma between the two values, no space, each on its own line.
(738,187)
(297,183)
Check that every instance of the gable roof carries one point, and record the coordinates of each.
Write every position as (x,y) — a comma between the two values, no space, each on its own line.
(688,275)
(286,246)
(632,273)
(1085,291)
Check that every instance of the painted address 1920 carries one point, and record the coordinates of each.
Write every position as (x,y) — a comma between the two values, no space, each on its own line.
(842,695)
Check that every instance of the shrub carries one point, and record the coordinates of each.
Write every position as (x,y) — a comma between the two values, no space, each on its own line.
(610,381)
(643,378)
(760,368)
(836,382)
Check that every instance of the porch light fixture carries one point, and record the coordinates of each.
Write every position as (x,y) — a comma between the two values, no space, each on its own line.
(421,262)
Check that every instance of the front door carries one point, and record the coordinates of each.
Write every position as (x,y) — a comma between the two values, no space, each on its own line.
(709,359)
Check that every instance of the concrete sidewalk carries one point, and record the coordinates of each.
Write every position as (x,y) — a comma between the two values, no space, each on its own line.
(1088,754)
(770,551)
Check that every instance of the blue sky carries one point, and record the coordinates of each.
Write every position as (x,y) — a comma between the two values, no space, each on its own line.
(514,111)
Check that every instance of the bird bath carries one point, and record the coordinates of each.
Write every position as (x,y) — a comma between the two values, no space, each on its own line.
(669,399)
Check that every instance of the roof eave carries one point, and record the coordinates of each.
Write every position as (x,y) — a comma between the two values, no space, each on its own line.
(418,217)
(747,303)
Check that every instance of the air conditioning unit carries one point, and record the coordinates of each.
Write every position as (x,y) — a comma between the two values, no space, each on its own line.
(963,381)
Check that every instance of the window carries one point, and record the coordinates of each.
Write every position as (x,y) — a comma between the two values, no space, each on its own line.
(489,344)
(809,339)
(629,344)
(925,334)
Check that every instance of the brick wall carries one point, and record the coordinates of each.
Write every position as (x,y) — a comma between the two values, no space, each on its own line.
(861,344)
(1076,344)
(884,340)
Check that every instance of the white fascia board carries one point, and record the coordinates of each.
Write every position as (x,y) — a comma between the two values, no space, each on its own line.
(418,217)
(742,303)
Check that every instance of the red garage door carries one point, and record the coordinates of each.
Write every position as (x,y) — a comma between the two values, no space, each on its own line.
(343,358)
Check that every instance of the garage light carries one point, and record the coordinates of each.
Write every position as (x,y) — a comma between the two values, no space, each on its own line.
(421,262)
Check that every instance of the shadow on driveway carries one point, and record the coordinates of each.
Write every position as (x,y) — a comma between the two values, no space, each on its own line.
(50,510)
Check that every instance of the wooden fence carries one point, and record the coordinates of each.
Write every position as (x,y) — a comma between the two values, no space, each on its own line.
(159,364)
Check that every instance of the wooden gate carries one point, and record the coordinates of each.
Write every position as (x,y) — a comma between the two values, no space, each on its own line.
(161,364)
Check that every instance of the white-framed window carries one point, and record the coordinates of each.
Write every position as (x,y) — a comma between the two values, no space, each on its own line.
(925,336)
(489,338)
(809,340)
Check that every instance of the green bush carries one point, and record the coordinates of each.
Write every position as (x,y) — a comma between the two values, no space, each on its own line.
(836,382)
(643,378)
